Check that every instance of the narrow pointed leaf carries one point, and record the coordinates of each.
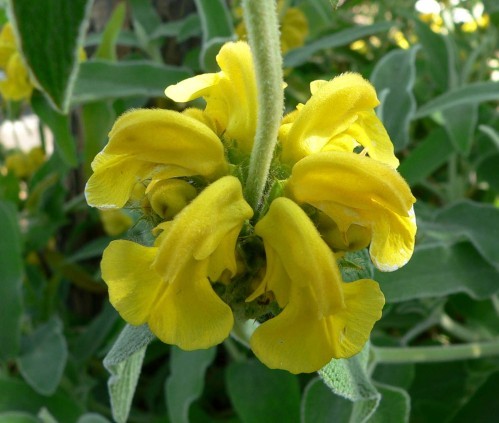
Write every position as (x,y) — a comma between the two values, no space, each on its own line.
(101,80)
(124,363)
(468,94)
(301,55)
(216,23)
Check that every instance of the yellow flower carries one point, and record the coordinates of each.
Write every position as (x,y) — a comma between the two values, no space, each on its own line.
(15,84)
(168,285)
(230,95)
(339,116)
(157,144)
(356,190)
(323,317)
(22,164)
(293,23)
(474,24)
(115,222)
(434,20)
(341,193)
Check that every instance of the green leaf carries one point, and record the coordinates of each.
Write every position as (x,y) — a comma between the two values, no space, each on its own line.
(97,118)
(107,46)
(92,418)
(477,222)
(182,29)
(17,395)
(216,23)
(398,375)
(11,279)
(439,61)
(349,379)
(59,125)
(394,75)
(95,334)
(460,122)
(90,250)
(124,363)
(439,270)
(302,55)
(131,340)
(9,187)
(394,406)
(43,357)
(438,391)
(51,33)
(145,22)
(319,404)
(483,405)
(186,381)
(17,417)
(45,416)
(101,80)
(487,171)
(491,133)
(260,394)
(468,94)
(427,157)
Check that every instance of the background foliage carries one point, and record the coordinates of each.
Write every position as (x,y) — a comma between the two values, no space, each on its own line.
(434,356)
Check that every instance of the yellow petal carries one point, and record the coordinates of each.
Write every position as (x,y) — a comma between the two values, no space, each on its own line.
(7,44)
(168,197)
(392,241)
(332,109)
(159,144)
(306,258)
(298,342)
(231,97)
(364,303)
(114,179)
(354,237)
(192,88)
(369,132)
(115,222)
(132,281)
(203,226)
(292,340)
(189,314)
(16,85)
(352,189)
(312,328)
(294,29)
(169,138)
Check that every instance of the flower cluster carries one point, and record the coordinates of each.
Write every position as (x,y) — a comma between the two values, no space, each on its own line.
(333,187)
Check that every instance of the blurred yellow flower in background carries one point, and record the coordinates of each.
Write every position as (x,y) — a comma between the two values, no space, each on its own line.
(115,222)
(22,164)
(15,83)
(293,25)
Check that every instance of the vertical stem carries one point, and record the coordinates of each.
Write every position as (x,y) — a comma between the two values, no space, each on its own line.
(263,35)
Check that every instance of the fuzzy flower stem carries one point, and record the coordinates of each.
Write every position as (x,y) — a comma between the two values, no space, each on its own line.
(261,21)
